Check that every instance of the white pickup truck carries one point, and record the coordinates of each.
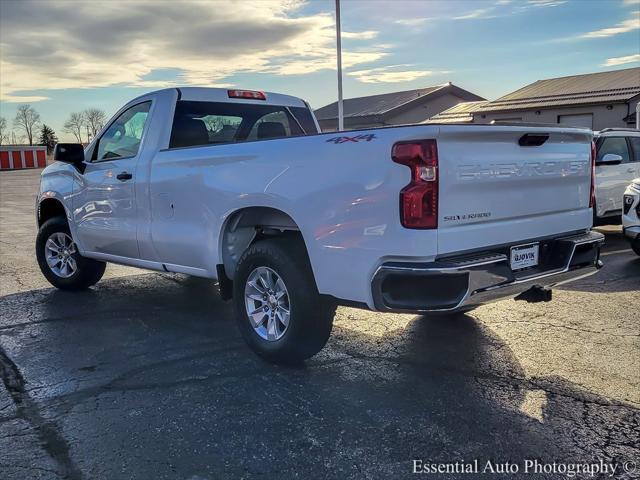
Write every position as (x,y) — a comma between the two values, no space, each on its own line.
(241,187)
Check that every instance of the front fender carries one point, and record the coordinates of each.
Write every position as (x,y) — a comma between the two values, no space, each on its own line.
(56,183)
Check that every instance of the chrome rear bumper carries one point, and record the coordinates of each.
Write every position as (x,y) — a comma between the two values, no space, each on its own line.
(451,284)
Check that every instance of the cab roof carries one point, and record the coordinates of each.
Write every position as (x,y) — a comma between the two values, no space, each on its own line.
(202,94)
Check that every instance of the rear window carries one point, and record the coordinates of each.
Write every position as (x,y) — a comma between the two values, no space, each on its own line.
(212,123)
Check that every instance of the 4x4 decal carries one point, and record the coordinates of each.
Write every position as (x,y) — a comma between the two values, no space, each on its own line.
(356,139)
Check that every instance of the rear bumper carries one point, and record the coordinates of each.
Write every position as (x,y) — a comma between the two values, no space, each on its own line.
(454,283)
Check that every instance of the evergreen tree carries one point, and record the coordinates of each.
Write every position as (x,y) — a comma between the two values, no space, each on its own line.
(48,137)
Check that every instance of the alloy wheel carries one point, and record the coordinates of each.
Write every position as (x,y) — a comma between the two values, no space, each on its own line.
(59,250)
(267,303)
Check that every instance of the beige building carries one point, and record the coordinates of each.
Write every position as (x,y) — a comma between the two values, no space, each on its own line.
(595,100)
(396,108)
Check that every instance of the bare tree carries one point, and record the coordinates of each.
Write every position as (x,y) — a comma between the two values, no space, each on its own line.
(74,125)
(94,119)
(26,119)
(4,133)
(16,139)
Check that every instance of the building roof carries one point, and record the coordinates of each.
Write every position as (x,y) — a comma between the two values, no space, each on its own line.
(603,87)
(459,113)
(389,103)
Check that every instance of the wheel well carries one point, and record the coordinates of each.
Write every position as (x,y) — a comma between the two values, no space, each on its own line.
(249,225)
(50,208)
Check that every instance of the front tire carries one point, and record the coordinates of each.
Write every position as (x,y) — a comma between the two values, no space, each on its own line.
(59,260)
(636,247)
(278,309)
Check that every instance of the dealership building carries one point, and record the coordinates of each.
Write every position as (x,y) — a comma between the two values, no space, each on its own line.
(596,100)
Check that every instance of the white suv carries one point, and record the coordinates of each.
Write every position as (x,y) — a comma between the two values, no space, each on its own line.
(631,214)
(617,163)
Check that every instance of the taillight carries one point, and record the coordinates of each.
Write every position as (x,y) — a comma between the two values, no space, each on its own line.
(592,197)
(251,94)
(419,199)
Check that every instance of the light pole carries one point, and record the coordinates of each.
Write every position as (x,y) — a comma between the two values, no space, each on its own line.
(339,48)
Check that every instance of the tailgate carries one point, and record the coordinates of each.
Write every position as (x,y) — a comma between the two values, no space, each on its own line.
(493,191)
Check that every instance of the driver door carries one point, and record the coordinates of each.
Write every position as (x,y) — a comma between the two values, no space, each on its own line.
(105,204)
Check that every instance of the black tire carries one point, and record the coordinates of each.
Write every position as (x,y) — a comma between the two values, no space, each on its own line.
(311,314)
(88,271)
(635,246)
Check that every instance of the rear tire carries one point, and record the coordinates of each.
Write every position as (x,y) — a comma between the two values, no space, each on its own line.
(69,270)
(283,263)
(636,247)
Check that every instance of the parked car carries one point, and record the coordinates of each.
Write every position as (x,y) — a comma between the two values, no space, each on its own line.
(240,186)
(631,215)
(617,163)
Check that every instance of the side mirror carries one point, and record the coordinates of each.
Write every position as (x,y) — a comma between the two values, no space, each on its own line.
(69,153)
(610,159)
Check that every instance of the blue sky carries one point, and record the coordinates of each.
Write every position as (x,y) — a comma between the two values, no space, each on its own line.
(67,56)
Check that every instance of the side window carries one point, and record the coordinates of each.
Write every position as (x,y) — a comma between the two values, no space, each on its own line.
(614,145)
(122,138)
(635,146)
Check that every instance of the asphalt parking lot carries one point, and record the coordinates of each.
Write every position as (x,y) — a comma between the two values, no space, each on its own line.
(145,377)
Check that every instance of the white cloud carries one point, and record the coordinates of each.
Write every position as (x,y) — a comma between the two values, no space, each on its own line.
(626,3)
(413,22)
(475,14)
(545,3)
(499,8)
(366,35)
(612,62)
(97,44)
(389,74)
(629,25)
(23,98)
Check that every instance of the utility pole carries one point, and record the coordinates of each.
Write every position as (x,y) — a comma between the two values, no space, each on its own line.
(339,48)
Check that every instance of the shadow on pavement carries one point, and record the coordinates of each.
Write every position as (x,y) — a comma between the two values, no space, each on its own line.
(147,377)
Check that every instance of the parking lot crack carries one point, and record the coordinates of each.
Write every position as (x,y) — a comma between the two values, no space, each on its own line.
(27,409)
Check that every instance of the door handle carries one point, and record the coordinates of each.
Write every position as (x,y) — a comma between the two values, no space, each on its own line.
(124,176)
(631,170)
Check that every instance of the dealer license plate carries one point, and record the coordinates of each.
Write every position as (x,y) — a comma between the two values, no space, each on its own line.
(524,256)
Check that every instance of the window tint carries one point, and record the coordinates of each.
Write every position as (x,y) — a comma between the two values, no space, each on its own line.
(303,116)
(221,128)
(210,123)
(276,122)
(614,145)
(122,138)
(635,146)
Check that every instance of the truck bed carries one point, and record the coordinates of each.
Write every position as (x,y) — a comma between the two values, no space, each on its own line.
(342,191)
